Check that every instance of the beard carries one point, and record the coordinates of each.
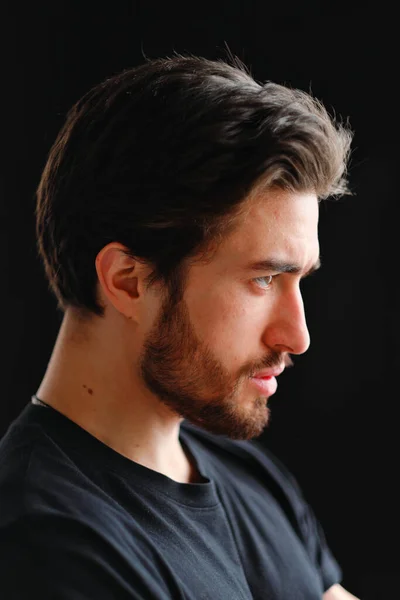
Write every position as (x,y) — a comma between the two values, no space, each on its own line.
(181,370)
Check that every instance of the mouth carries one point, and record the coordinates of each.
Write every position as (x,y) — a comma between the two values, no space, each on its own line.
(267,385)
(268,373)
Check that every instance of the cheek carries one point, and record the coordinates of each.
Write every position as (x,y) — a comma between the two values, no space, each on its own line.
(229,326)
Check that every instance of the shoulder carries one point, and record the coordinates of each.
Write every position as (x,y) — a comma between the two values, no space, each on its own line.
(16,449)
(254,457)
(37,477)
(258,462)
(252,451)
(43,519)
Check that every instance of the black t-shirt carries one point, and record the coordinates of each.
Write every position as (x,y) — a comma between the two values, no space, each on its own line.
(80,521)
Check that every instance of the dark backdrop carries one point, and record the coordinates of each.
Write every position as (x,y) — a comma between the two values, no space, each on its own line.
(334,418)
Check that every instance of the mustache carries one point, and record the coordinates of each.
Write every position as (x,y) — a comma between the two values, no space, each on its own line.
(287,361)
(274,359)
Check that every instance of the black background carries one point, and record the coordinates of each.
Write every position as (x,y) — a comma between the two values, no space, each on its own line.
(334,418)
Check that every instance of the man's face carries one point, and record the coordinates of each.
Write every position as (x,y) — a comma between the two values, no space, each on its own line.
(235,319)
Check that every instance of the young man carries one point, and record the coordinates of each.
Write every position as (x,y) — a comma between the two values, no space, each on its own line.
(176,215)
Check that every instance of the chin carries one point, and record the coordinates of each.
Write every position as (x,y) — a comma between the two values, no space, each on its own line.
(238,426)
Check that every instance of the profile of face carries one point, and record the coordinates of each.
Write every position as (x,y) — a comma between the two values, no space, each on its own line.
(240,313)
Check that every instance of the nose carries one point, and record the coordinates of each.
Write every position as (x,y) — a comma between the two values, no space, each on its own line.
(287,329)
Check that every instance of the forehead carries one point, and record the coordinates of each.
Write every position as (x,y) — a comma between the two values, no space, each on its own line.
(278,224)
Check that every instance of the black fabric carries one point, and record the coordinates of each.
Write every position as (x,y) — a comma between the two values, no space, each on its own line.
(80,521)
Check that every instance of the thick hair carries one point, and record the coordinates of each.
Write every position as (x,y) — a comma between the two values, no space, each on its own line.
(161,158)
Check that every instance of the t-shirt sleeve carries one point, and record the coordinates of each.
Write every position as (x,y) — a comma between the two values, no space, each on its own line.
(317,547)
(302,517)
(51,557)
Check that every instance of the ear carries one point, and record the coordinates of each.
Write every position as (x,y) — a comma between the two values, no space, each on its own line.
(121,279)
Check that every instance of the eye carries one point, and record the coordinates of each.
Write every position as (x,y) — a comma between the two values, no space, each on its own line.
(266,280)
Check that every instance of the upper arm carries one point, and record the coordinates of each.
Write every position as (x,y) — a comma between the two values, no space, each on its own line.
(337,592)
(53,556)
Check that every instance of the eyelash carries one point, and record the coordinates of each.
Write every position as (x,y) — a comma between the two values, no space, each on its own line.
(269,277)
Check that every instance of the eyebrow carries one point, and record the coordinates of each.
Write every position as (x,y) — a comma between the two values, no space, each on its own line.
(279,266)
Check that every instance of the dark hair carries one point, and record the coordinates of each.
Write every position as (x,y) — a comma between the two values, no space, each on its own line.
(161,157)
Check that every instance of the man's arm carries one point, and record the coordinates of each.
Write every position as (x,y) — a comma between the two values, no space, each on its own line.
(337,592)
(52,555)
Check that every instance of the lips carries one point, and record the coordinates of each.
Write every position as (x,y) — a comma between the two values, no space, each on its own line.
(265,380)
(265,385)
(268,373)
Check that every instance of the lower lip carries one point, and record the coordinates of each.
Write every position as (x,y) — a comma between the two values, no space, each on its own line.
(266,385)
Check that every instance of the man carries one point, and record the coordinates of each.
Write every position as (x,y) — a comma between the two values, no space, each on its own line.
(176,216)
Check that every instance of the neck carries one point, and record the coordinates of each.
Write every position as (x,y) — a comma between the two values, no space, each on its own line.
(97,388)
